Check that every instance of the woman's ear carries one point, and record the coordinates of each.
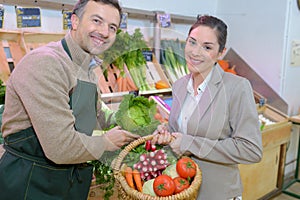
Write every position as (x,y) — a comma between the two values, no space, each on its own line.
(75,21)
(221,54)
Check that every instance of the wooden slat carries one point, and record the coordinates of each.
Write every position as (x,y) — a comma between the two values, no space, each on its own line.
(4,68)
(16,51)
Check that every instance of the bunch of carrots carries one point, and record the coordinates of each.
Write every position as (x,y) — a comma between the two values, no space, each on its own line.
(125,84)
(133,178)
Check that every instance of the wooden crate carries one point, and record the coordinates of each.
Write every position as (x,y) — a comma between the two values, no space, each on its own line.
(15,44)
(33,40)
(265,179)
(11,51)
(108,84)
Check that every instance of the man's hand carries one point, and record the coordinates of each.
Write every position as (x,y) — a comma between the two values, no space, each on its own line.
(118,138)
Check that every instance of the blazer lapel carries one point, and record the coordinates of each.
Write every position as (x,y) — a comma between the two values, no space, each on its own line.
(179,95)
(209,93)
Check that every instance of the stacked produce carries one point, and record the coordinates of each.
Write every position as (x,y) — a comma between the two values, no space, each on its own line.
(263,121)
(226,66)
(126,53)
(172,58)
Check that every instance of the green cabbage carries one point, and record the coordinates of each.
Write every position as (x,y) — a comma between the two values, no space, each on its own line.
(171,171)
(136,115)
(148,188)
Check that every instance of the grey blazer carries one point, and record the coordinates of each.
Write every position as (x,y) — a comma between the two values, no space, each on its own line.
(223,131)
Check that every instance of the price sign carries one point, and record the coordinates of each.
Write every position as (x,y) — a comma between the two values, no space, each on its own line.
(164,20)
(67,19)
(28,17)
(123,24)
(148,55)
(1,16)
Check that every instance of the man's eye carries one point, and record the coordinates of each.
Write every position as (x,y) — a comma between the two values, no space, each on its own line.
(207,48)
(192,42)
(113,29)
(97,21)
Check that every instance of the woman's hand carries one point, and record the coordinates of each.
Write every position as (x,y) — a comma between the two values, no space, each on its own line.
(161,135)
(175,144)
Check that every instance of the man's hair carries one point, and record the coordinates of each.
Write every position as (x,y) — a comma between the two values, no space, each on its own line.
(80,5)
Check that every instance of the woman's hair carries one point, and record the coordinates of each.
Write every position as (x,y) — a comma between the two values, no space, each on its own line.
(218,25)
(80,5)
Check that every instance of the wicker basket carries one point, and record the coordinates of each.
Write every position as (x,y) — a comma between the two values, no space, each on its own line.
(127,193)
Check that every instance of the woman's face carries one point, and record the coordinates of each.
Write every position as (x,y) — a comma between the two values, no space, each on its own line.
(96,30)
(202,50)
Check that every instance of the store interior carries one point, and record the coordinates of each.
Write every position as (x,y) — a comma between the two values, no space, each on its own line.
(263,46)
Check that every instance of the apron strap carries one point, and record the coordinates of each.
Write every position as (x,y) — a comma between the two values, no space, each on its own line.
(66,48)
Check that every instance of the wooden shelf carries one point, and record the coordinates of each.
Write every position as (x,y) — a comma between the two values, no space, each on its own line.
(132,12)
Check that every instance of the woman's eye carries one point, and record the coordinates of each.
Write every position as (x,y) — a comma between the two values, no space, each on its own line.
(207,48)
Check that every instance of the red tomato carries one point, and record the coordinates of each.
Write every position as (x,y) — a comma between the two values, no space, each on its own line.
(180,184)
(163,186)
(186,167)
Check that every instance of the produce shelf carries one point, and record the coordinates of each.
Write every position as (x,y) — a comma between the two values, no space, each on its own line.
(266,177)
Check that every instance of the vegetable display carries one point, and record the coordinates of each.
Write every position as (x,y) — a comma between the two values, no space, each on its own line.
(127,51)
(172,58)
(136,114)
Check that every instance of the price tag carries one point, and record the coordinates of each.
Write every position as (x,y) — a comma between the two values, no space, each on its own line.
(67,19)
(28,17)
(148,55)
(123,24)
(164,20)
(1,16)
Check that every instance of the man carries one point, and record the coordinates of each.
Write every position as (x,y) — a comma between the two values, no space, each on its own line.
(51,111)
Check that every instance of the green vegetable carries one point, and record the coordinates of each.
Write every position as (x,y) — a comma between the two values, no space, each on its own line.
(172,58)
(148,188)
(127,50)
(2,92)
(136,115)
(171,171)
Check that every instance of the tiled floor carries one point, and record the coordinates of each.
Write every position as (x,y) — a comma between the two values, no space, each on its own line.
(295,188)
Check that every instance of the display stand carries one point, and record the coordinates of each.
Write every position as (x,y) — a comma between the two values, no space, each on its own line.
(296,121)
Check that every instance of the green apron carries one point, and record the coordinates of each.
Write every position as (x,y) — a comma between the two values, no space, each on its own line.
(26,173)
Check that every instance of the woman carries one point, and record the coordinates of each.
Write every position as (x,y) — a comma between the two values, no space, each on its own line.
(213,117)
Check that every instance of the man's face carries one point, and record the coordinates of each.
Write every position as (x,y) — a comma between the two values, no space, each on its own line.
(96,30)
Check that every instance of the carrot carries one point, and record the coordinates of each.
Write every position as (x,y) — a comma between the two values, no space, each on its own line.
(137,180)
(129,177)
(124,84)
(131,85)
(119,84)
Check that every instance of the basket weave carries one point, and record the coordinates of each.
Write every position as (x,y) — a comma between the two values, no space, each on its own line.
(127,193)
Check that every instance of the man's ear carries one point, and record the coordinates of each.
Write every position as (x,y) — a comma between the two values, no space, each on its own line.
(75,21)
